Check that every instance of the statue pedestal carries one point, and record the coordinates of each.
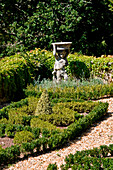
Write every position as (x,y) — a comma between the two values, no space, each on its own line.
(60,51)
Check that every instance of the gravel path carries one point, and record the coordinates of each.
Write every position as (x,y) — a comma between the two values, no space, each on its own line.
(100,134)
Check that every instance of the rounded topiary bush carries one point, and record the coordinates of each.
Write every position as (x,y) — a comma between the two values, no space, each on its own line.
(23,136)
(43,106)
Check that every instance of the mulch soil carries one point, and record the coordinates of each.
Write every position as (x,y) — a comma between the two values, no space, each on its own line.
(6,142)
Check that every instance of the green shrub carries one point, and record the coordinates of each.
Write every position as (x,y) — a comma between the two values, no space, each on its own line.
(10,130)
(111,149)
(36,122)
(17,71)
(36,132)
(32,104)
(57,138)
(82,106)
(23,136)
(2,130)
(82,92)
(87,159)
(26,120)
(3,121)
(52,167)
(61,116)
(9,155)
(16,116)
(14,76)
(43,106)
(30,107)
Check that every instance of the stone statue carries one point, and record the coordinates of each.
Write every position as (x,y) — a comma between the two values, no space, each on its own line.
(60,51)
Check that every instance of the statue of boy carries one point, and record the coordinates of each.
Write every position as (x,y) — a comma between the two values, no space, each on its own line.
(59,72)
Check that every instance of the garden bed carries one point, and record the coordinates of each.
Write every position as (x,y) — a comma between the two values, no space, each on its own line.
(23,117)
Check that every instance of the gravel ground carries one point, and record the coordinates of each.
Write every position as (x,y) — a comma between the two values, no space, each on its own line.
(99,134)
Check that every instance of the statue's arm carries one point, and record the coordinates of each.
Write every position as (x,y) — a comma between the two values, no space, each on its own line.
(54,50)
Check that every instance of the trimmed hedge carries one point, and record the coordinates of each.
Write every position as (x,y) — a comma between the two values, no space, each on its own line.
(62,114)
(23,136)
(67,113)
(14,76)
(82,92)
(85,66)
(79,106)
(9,155)
(19,70)
(27,106)
(36,122)
(4,110)
(64,117)
(78,127)
(96,158)
(57,139)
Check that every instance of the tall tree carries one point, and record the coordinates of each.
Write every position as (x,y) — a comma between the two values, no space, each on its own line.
(88,24)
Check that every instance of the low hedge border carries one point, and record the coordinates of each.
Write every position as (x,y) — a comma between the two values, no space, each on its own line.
(57,140)
(19,118)
(96,158)
(4,110)
(69,93)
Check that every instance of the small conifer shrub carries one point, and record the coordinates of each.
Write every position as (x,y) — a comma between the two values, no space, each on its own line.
(43,106)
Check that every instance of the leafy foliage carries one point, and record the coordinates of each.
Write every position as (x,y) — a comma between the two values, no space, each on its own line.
(23,136)
(61,117)
(36,122)
(30,24)
(43,106)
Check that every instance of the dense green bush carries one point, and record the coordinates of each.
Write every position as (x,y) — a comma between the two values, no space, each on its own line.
(61,117)
(9,155)
(16,116)
(19,70)
(4,110)
(32,104)
(81,92)
(14,76)
(10,130)
(43,106)
(79,106)
(87,159)
(85,66)
(3,121)
(2,129)
(36,122)
(23,136)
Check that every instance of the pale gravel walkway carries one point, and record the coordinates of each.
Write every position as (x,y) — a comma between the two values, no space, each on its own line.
(101,134)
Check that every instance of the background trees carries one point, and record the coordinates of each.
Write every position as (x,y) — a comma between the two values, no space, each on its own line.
(29,24)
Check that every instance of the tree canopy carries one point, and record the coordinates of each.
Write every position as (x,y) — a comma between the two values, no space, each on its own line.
(29,24)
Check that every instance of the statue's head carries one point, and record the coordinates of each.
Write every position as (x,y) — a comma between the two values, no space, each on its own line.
(63,53)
